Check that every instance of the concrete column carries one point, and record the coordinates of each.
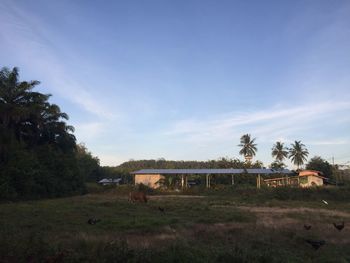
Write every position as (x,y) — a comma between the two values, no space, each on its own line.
(258,181)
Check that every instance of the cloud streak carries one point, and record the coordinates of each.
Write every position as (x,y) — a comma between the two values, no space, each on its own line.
(330,142)
(268,125)
(33,44)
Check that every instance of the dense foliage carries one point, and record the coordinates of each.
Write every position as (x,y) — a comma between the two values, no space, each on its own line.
(89,165)
(167,164)
(37,147)
(319,164)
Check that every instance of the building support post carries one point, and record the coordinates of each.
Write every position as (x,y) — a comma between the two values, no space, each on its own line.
(232,179)
(208,181)
(259,181)
(182,181)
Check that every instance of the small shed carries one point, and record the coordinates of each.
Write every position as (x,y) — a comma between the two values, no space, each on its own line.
(109,181)
(149,179)
(308,178)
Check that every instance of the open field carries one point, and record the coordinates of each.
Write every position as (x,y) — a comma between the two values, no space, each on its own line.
(208,227)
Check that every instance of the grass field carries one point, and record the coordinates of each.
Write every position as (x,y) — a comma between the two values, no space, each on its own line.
(216,226)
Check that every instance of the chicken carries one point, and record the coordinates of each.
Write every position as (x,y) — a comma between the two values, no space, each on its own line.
(93,221)
(340,226)
(307,227)
(316,244)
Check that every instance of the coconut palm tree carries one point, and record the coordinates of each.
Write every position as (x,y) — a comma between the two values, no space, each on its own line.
(279,152)
(248,147)
(298,153)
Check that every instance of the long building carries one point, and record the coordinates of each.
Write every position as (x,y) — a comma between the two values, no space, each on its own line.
(151,177)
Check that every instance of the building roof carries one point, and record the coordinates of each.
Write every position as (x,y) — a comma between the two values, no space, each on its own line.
(316,175)
(213,171)
(311,173)
(110,180)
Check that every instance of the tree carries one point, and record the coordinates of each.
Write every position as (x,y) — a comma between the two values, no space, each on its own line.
(248,149)
(37,147)
(15,109)
(89,166)
(277,165)
(28,118)
(298,153)
(319,164)
(279,152)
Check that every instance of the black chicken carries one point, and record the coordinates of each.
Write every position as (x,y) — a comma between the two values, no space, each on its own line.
(316,244)
(307,227)
(340,226)
(161,209)
(93,221)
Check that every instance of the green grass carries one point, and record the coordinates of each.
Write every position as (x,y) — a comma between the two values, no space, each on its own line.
(208,228)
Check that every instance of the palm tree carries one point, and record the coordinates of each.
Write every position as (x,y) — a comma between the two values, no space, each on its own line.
(279,152)
(15,98)
(248,147)
(26,116)
(298,153)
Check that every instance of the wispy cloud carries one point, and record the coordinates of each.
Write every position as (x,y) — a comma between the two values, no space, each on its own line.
(33,44)
(269,125)
(89,130)
(330,142)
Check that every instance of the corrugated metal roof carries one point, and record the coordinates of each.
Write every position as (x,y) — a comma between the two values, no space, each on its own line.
(212,171)
(110,180)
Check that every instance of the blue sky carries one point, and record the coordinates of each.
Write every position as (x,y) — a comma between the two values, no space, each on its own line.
(184,80)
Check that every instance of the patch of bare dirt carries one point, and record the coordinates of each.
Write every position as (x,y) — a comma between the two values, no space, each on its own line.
(201,231)
(280,210)
(149,240)
(156,197)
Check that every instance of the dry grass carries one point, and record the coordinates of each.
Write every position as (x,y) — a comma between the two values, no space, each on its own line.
(205,226)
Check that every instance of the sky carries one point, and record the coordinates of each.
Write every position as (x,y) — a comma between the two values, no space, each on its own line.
(185,79)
